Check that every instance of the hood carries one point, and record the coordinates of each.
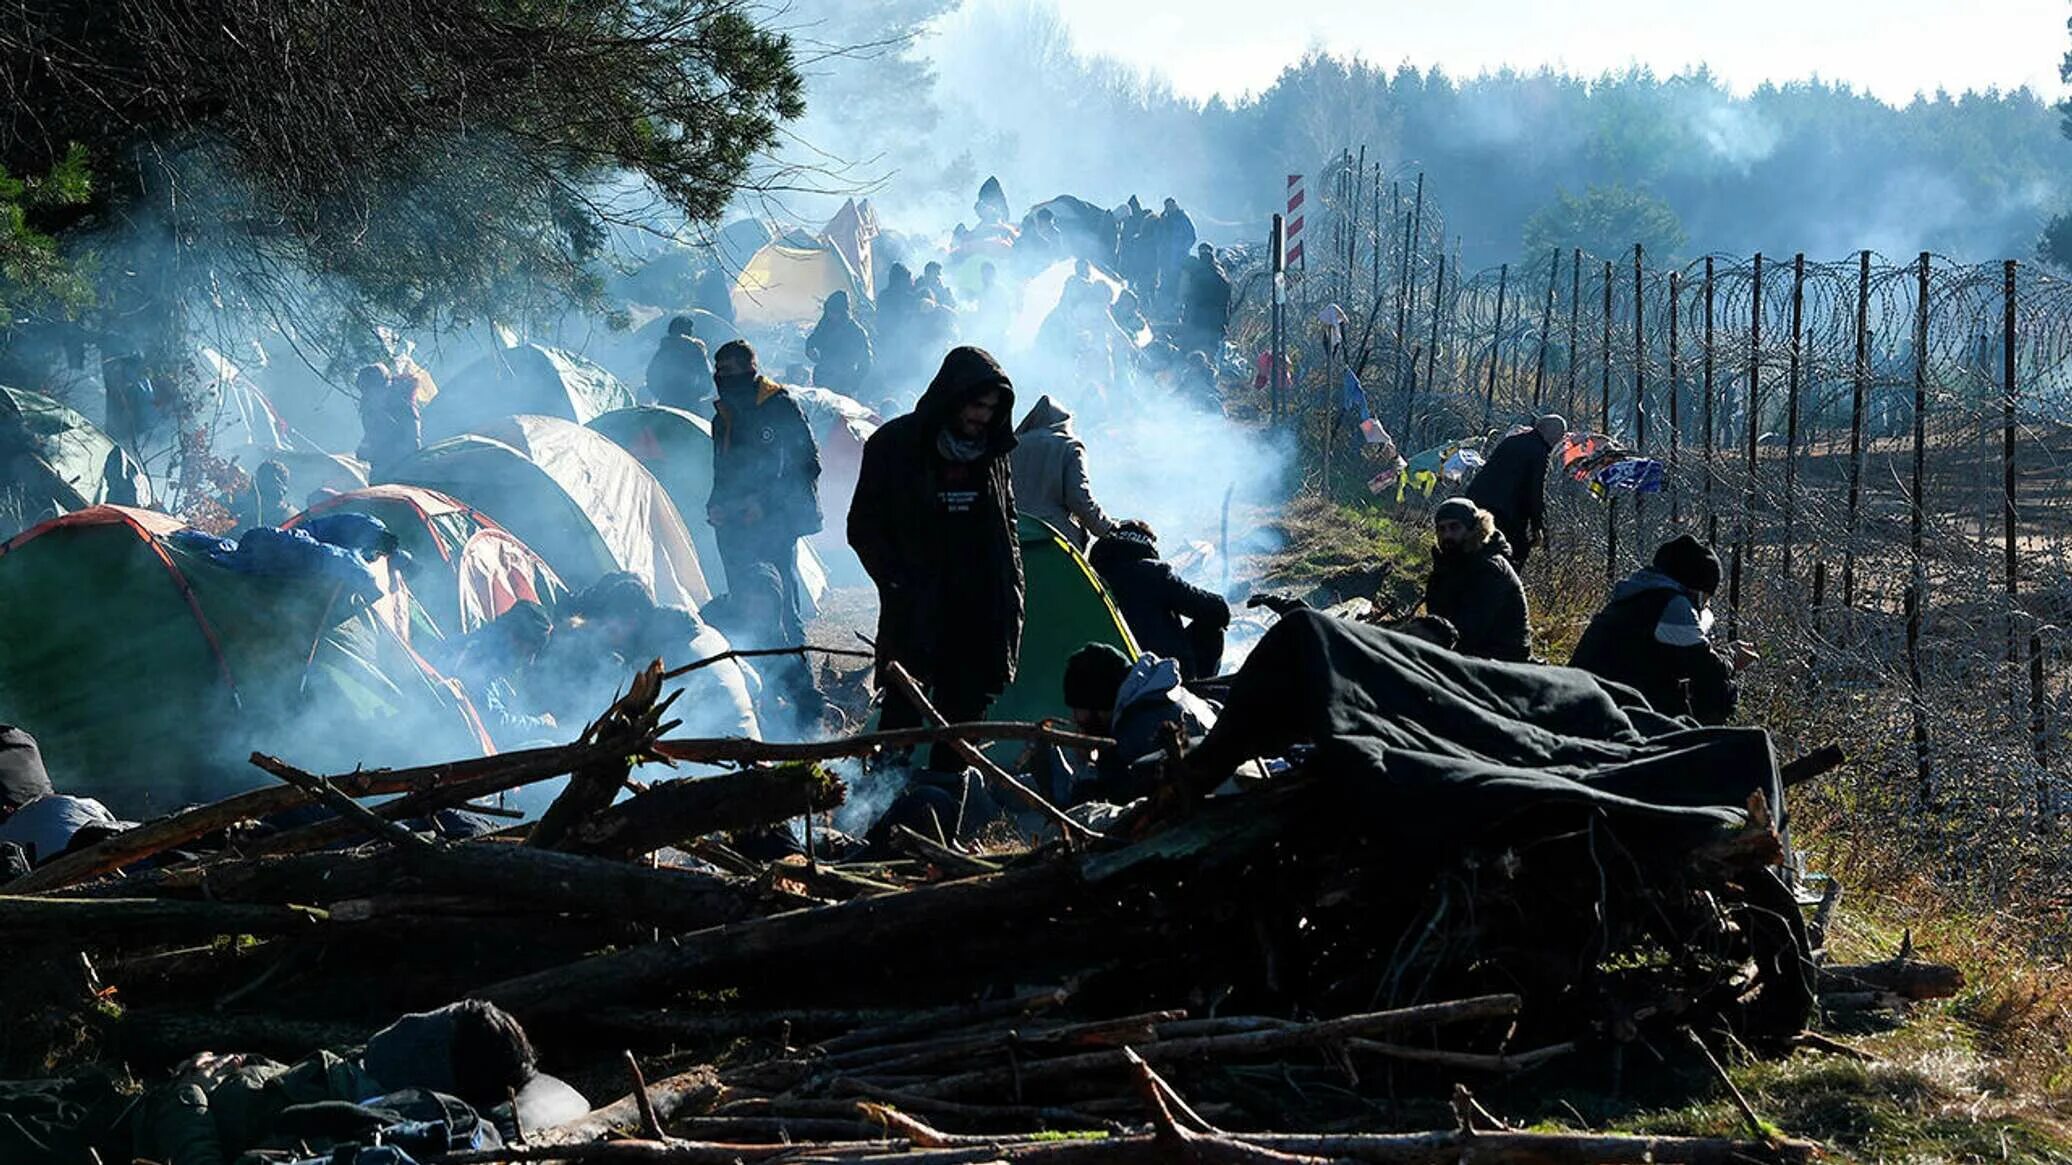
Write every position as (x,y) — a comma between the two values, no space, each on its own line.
(1644,580)
(1046,414)
(836,306)
(1150,678)
(1121,546)
(1495,545)
(22,777)
(965,372)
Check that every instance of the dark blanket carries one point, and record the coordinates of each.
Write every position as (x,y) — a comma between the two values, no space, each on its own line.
(1441,749)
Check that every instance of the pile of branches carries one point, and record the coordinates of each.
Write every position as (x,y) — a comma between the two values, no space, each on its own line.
(944,1004)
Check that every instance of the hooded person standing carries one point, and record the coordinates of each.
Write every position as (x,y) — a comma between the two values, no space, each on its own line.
(839,347)
(933,522)
(1050,483)
(391,417)
(1512,484)
(1473,586)
(765,471)
(1655,636)
(679,370)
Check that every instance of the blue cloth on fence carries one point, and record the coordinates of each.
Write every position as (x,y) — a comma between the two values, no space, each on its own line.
(1352,396)
(1635,475)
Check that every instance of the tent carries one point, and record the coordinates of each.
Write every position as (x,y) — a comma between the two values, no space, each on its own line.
(527,378)
(53,455)
(1067,608)
(676,447)
(583,503)
(469,570)
(789,278)
(148,670)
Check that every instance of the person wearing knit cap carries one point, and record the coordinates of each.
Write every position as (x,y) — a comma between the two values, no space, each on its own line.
(1512,484)
(1473,586)
(1655,636)
(1131,704)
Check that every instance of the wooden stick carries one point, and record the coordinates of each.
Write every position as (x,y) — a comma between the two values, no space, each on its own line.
(377,827)
(931,850)
(761,652)
(1241,1044)
(89,921)
(1507,1064)
(724,750)
(911,689)
(650,1120)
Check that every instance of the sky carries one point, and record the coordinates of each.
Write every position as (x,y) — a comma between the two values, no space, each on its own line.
(1891,48)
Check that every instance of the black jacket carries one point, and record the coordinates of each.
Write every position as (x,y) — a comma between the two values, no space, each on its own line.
(1153,599)
(1647,638)
(763,452)
(1513,483)
(680,373)
(839,348)
(908,540)
(1478,592)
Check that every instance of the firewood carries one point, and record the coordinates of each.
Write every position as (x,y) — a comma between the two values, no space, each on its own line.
(673,811)
(92,921)
(684,1092)
(1911,979)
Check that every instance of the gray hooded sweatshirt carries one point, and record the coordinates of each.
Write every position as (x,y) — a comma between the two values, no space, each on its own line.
(1050,482)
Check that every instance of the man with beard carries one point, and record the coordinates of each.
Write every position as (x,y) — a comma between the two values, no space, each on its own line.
(1473,586)
(765,471)
(933,521)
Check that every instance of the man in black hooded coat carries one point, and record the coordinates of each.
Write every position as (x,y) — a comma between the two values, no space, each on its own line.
(933,521)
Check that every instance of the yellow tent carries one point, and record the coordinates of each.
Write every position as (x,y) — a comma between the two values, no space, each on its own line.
(788,279)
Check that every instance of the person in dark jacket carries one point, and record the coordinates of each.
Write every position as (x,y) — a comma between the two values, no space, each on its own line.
(1175,245)
(1512,484)
(679,370)
(839,347)
(391,417)
(933,522)
(1473,586)
(765,471)
(1205,302)
(932,282)
(1168,615)
(1655,636)
(219,1107)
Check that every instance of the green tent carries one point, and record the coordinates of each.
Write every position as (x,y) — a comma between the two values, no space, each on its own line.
(148,671)
(586,505)
(529,378)
(55,458)
(1067,609)
(469,570)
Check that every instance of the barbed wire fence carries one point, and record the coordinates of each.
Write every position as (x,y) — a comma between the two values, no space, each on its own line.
(1877,449)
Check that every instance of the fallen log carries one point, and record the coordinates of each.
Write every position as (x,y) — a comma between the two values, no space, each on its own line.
(672,811)
(156,837)
(694,1090)
(88,921)
(1906,978)
(164,1035)
(1816,763)
(1326,1032)
(827,936)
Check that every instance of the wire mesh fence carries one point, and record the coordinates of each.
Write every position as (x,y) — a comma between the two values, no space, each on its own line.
(1875,447)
